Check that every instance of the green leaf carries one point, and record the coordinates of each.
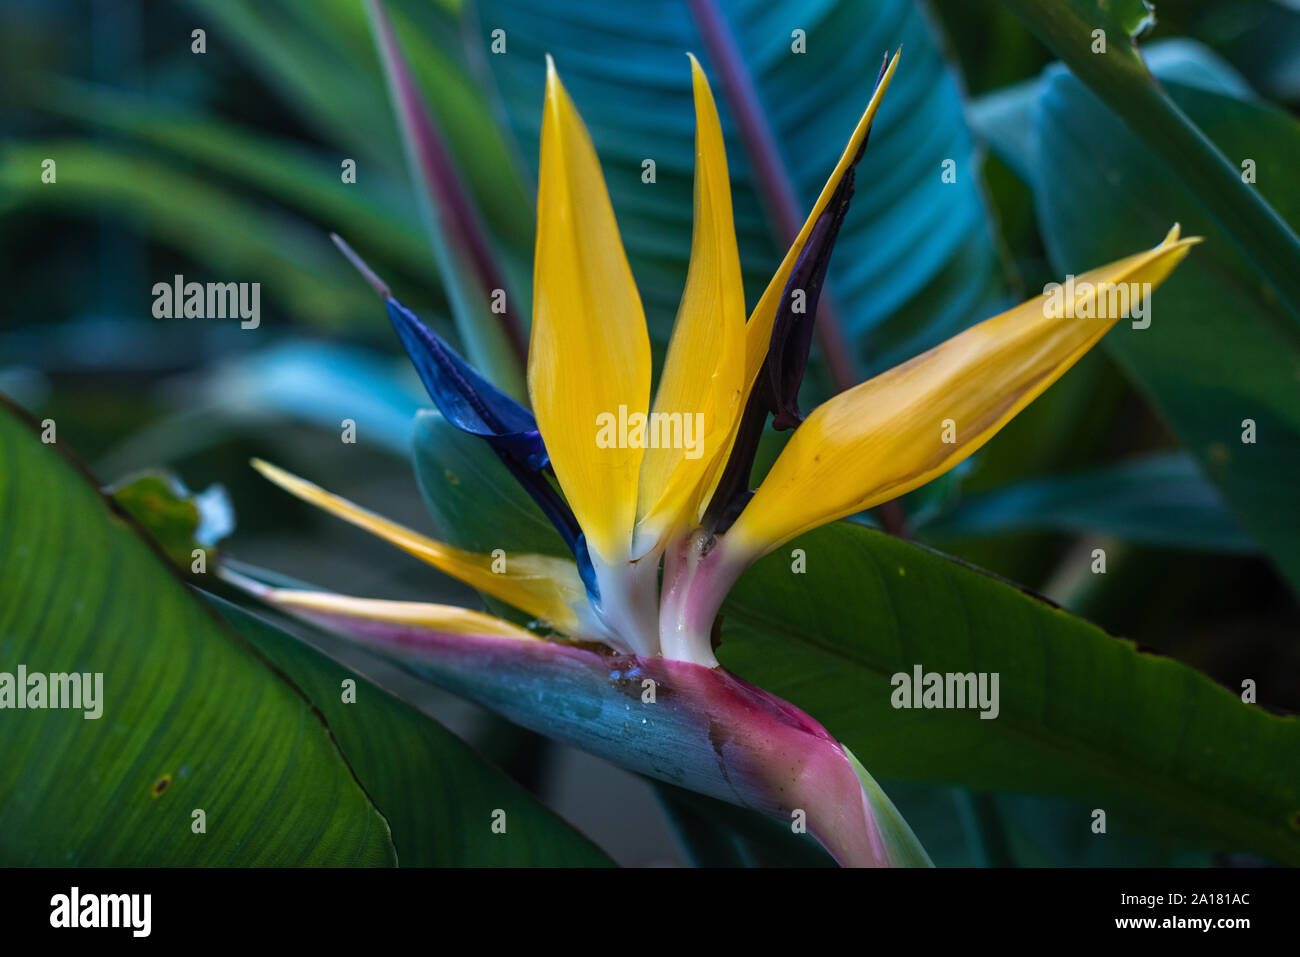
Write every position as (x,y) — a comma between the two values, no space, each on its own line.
(1220,349)
(1003,118)
(994,829)
(192,716)
(915,260)
(1045,832)
(178,521)
(1118,77)
(1159,499)
(475,502)
(1161,748)
(438,795)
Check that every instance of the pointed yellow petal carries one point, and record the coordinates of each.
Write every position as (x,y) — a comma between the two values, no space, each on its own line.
(758,333)
(698,400)
(544,586)
(906,426)
(589,359)
(326,606)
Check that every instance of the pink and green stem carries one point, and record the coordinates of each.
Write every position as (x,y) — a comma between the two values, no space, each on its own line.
(691,725)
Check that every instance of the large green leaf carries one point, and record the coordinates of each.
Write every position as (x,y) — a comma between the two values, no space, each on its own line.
(1158,746)
(192,716)
(264,734)
(1220,349)
(439,796)
(912,247)
(1225,351)
(1003,117)
(964,829)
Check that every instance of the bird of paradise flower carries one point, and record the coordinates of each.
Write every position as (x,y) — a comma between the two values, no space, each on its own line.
(609,620)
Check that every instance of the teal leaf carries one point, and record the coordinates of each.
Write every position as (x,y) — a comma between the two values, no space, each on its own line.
(1220,358)
(475,502)
(1159,499)
(1095,39)
(915,260)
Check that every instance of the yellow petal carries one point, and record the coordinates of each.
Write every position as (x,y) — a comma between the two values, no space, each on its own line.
(758,333)
(699,391)
(324,606)
(887,436)
(589,357)
(543,586)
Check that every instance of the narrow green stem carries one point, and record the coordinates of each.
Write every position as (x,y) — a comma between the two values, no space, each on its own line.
(1121,80)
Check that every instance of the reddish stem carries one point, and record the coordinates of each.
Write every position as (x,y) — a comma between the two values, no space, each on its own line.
(777,193)
(437,170)
(775,186)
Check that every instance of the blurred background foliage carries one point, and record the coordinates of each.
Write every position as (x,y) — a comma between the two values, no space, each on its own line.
(226,166)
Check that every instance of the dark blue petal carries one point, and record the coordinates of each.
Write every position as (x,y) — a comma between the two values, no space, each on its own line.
(474,405)
(466,399)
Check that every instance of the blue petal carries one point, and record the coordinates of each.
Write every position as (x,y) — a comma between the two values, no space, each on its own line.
(466,399)
(473,404)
